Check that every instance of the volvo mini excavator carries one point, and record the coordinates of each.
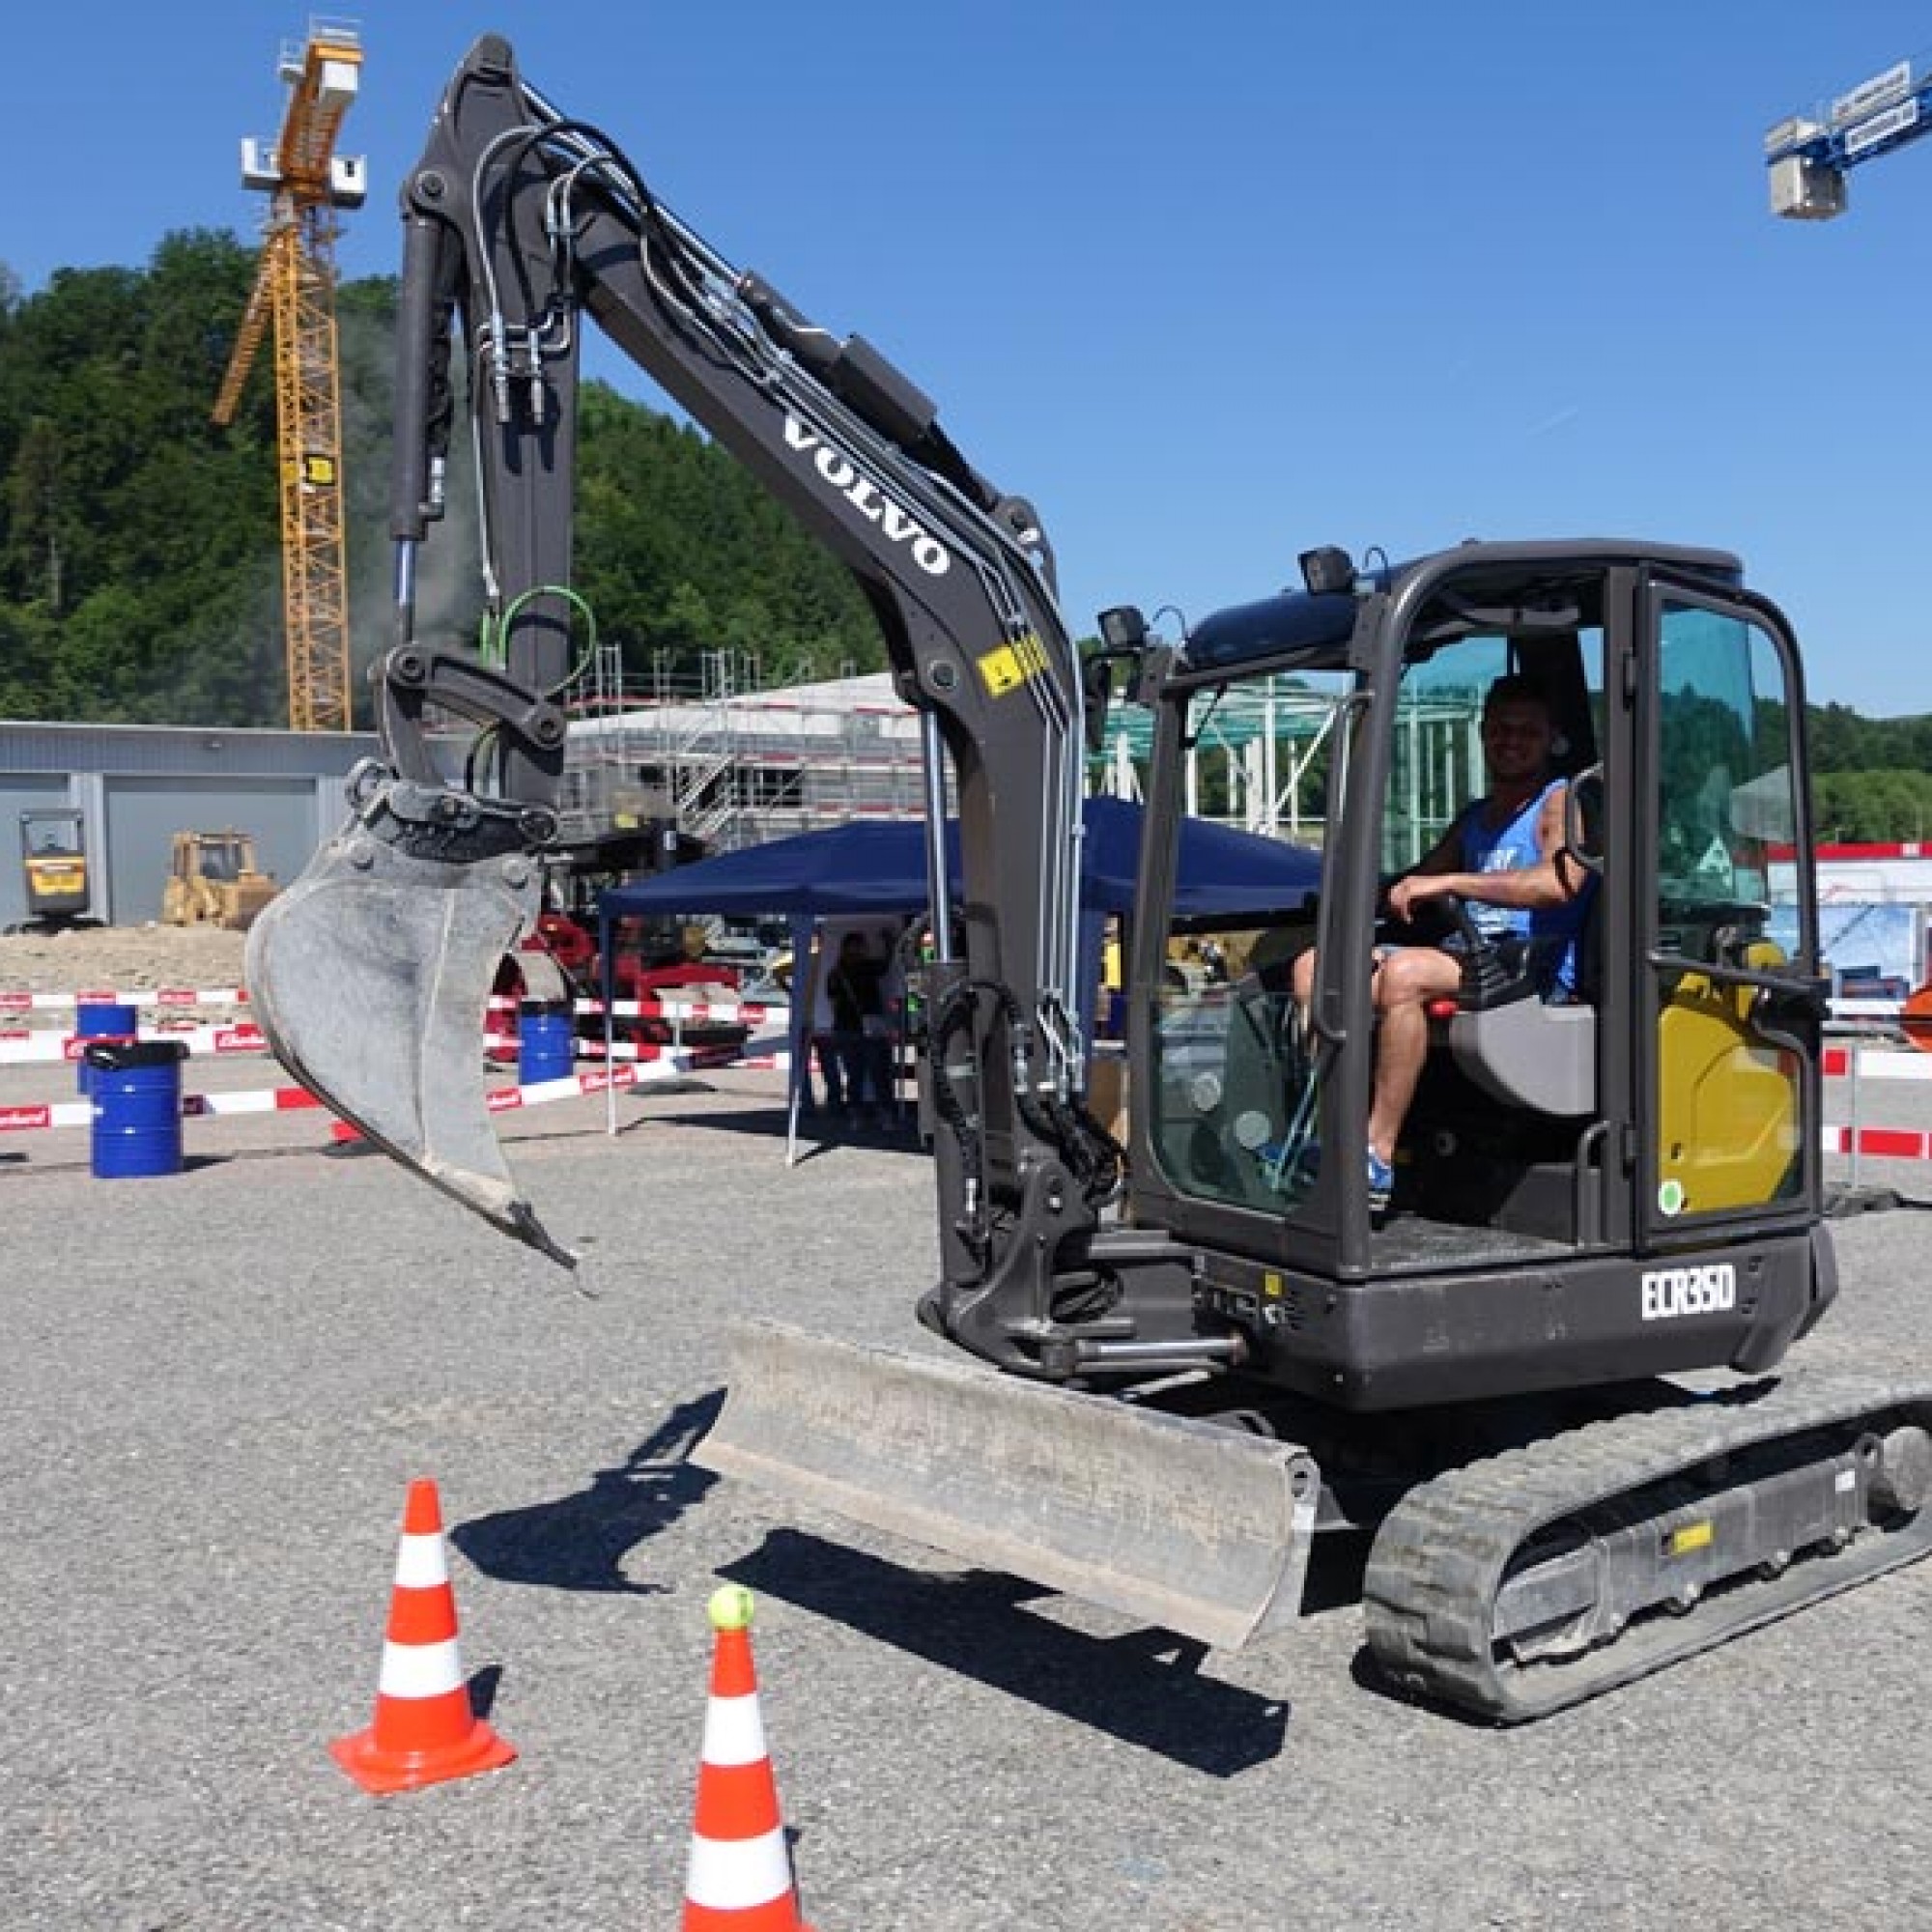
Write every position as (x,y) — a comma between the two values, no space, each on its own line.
(1546,1379)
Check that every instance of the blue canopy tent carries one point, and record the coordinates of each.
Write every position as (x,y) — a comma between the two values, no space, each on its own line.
(879,867)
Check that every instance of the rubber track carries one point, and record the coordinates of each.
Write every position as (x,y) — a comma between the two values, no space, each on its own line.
(1429,1595)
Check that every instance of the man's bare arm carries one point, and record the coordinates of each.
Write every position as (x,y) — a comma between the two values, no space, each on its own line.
(1554,879)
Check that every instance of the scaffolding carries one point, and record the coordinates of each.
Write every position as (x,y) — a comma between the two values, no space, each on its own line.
(732,764)
(1259,757)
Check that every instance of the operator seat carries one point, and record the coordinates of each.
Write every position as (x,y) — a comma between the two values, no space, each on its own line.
(1507,1041)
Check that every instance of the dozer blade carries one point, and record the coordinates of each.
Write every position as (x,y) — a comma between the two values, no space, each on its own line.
(370,976)
(1196,1528)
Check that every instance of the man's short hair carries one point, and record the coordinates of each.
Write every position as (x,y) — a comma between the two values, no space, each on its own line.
(1516,687)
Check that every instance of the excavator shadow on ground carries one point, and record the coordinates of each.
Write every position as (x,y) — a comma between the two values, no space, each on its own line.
(821,1131)
(580,1542)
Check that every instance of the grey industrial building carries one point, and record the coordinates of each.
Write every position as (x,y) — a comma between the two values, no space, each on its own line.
(732,766)
(136,785)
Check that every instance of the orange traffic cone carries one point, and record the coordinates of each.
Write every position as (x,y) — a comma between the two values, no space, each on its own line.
(739,1877)
(424,1731)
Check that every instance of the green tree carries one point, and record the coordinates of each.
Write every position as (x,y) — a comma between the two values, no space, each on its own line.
(139,546)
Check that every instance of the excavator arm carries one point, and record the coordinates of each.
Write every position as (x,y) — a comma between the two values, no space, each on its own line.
(370,974)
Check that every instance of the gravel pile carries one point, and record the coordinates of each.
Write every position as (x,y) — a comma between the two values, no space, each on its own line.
(126,958)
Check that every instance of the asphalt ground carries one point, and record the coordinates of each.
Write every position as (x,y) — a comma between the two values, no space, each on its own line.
(217,1385)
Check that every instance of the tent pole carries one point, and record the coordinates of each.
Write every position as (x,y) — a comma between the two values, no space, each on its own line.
(605,926)
(798,1029)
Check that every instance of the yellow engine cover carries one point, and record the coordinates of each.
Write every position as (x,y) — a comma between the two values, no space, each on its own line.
(1729,1109)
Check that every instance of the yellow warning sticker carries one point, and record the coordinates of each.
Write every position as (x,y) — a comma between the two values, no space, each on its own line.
(1007,667)
(1000,671)
(1693,1536)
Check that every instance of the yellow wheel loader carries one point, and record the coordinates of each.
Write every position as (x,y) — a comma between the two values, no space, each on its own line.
(213,880)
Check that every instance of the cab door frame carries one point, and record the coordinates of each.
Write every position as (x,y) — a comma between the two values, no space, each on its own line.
(1786,1004)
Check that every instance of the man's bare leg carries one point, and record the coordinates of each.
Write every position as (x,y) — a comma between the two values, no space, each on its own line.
(1407,979)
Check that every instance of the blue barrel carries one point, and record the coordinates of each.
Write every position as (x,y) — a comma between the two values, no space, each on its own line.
(92,1022)
(137,1107)
(546,1042)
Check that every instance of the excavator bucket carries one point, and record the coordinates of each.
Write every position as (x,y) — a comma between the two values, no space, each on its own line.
(370,978)
(1199,1529)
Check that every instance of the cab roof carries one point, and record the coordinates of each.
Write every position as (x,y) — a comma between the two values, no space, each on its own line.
(1487,581)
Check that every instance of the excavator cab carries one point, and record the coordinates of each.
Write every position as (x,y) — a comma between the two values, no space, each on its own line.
(1594,1198)
(1669,1105)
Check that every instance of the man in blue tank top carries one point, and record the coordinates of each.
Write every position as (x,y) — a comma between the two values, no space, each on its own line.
(1504,855)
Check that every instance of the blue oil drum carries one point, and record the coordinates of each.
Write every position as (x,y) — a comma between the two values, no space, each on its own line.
(91,1022)
(137,1107)
(546,1042)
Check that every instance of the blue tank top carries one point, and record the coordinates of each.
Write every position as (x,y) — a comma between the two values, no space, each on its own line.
(1550,931)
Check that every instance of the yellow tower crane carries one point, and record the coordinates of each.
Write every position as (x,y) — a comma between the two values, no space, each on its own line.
(307,182)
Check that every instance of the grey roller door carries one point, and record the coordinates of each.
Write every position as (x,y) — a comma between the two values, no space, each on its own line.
(144,813)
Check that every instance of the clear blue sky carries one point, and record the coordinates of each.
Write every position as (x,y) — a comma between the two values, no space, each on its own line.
(1211,283)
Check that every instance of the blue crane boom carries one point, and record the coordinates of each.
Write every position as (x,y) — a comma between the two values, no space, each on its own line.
(1810,154)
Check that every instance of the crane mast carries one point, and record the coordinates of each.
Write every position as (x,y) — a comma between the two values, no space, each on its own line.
(307,182)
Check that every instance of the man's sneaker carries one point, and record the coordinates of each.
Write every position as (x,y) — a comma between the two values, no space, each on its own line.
(1381,1184)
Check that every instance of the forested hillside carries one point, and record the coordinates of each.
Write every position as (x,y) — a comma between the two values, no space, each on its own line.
(140,578)
(1873,777)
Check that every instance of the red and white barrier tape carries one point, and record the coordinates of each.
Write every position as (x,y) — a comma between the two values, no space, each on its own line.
(751,1013)
(754,1012)
(159,996)
(1837,1064)
(27,1048)
(80,1113)
(505,1099)
(1887,1142)
(718,1053)
(61,1114)
(296,1099)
